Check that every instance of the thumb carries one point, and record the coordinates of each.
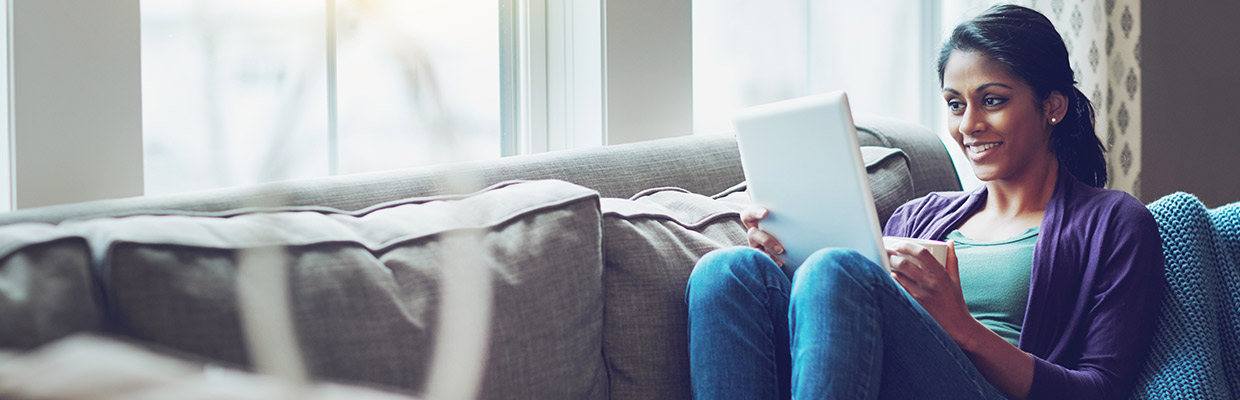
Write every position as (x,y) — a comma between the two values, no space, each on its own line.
(953,268)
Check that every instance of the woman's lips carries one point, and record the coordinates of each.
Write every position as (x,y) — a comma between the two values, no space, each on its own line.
(979,150)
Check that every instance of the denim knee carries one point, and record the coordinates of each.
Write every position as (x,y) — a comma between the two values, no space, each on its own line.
(832,264)
(724,269)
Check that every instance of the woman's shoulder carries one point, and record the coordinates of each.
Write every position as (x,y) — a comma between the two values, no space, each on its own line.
(1115,205)
(1107,214)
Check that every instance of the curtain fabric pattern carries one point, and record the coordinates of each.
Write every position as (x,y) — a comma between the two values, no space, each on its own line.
(1104,47)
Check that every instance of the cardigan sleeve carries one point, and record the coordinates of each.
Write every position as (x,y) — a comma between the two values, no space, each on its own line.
(1122,286)
(897,224)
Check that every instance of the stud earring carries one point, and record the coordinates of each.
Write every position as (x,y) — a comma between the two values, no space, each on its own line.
(1052,121)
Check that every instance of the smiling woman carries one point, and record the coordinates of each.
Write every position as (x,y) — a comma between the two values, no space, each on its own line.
(1046,298)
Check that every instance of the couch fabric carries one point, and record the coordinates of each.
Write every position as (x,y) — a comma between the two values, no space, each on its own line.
(365,285)
(1196,349)
(651,243)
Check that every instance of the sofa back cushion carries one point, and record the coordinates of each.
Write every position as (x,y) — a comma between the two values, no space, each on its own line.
(365,287)
(651,243)
(46,291)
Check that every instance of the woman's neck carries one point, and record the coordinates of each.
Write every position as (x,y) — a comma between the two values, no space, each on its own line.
(1023,195)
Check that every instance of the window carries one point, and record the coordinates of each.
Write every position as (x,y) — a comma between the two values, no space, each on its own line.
(239,91)
(747,53)
(882,53)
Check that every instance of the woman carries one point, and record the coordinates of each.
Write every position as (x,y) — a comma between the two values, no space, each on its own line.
(1048,284)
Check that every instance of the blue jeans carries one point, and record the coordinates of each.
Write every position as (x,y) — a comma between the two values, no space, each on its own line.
(841,328)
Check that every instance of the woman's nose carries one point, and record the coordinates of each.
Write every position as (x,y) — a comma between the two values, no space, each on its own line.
(971,122)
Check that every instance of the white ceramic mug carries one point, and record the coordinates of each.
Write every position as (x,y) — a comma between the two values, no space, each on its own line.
(937,248)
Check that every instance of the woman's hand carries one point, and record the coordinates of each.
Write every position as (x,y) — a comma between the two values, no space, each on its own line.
(935,286)
(758,238)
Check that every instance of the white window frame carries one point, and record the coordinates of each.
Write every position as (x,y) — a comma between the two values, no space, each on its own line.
(551,75)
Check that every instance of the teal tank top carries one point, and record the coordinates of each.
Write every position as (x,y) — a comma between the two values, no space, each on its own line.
(994,278)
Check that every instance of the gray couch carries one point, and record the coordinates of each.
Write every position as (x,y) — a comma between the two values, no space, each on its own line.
(588,252)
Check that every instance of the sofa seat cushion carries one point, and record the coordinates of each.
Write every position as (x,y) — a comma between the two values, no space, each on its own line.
(365,286)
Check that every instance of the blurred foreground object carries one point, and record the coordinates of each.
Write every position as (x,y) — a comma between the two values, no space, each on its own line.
(96,368)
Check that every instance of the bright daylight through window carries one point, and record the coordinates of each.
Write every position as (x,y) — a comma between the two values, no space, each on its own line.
(882,53)
(235,92)
(747,53)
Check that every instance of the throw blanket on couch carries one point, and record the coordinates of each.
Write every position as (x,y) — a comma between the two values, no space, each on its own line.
(1196,349)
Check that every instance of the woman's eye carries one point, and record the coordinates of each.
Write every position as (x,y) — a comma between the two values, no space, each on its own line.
(955,105)
(994,101)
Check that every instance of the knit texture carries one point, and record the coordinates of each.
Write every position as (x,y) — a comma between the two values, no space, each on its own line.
(1196,349)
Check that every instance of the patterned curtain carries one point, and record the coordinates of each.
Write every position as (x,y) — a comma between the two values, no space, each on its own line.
(1104,47)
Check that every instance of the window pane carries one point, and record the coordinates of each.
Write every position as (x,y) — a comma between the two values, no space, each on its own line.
(748,53)
(745,53)
(233,92)
(873,51)
(418,82)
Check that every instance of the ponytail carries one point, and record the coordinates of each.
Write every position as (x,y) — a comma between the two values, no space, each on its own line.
(1076,145)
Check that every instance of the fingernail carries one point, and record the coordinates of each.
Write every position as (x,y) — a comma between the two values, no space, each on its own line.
(779,250)
(762,213)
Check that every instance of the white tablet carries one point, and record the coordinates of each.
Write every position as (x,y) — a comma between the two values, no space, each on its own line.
(802,162)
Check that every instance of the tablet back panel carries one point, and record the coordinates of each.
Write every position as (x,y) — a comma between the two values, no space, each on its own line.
(803,163)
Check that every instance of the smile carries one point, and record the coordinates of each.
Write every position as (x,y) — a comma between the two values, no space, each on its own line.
(977,150)
(982,147)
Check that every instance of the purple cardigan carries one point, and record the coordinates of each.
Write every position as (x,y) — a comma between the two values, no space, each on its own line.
(1095,288)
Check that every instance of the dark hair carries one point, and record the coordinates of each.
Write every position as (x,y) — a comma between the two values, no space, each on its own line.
(1026,43)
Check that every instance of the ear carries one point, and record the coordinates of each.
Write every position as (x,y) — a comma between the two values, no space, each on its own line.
(1055,107)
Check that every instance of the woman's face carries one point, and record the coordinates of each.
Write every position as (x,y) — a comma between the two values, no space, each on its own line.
(995,118)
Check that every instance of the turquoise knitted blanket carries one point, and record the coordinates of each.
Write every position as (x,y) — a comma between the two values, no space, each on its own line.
(1196,349)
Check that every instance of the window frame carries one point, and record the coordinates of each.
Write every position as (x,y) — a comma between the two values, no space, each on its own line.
(605,72)
(551,75)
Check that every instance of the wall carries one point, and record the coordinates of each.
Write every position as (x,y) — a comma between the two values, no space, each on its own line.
(1191,117)
(75,108)
(648,57)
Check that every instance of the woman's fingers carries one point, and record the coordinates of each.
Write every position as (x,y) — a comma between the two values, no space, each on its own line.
(758,238)
(920,253)
(751,216)
(761,240)
(906,271)
(915,268)
(768,242)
